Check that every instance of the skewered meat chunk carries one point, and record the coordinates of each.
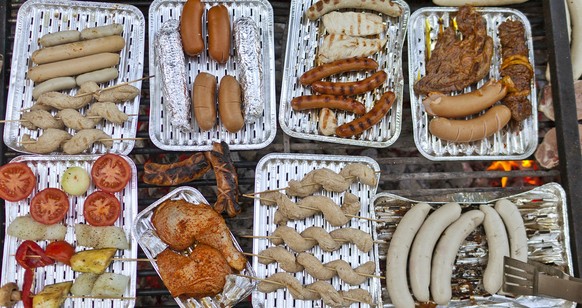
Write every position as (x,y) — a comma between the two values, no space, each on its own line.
(50,141)
(40,119)
(285,258)
(226,179)
(84,139)
(315,180)
(108,111)
(58,100)
(181,224)
(314,267)
(200,274)
(117,95)
(75,120)
(312,236)
(361,172)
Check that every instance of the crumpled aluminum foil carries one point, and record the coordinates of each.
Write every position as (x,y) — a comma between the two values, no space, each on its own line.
(249,61)
(170,58)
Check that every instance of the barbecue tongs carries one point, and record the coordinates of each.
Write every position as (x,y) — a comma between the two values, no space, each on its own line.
(534,278)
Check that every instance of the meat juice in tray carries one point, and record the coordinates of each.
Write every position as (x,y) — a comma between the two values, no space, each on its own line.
(306,38)
(37,18)
(544,212)
(48,172)
(514,141)
(275,171)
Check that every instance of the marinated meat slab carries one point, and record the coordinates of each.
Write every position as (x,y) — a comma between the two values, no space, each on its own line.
(457,63)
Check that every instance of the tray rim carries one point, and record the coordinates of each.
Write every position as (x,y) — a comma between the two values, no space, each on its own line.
(83,4)
(268,96)
(533,101)
(333,139)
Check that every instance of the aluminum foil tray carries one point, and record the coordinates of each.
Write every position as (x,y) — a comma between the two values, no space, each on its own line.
(237,288)
(273,172)
(544,211)
(304,37)
(39,17)
(48,171)
(504,145)
(255,135)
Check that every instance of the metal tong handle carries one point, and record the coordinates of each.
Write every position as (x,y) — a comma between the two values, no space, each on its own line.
(557,287)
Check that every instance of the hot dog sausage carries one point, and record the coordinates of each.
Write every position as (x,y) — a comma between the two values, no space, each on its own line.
(101,31)
(112,43)
(191,27)
(465,104)
(61,37)
(190,169)
(369,119)
(219,33)
(470,130)
(350,88)
(337,67)
(72,67)
(204,100)
(322,7)
(229,104)
(329,101)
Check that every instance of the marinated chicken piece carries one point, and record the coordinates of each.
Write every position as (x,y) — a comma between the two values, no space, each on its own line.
(84,139)
(454,63)
(60,101)
(75,120)
(40,119)
(339,46)
(117,95)
(353,24)
(181,224)
(285,258)
(108,111)
(327,122)
(361,172)
(50,141)
(200,274)
(315,180)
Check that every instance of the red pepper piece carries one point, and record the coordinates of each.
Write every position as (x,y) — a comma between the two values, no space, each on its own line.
(27,288)
(29,255)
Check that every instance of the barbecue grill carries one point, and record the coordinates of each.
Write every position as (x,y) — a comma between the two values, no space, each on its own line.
(404,171)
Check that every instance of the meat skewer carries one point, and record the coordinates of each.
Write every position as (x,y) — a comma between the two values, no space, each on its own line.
(58,100)
(50,141)
(40,118)
(35,119)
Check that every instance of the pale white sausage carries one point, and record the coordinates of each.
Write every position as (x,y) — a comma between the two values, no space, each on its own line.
(99,76)
(72,67)
(443,260)
(101,31)
(423,246)
(515,228)
(476,2)
(498,246)
(55,84)
(397,255)
(112,43)
(61,37)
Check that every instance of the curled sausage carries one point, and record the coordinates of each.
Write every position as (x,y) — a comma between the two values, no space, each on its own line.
(219,33)
(191,27)
(350,88)
(371,118)
(190,169)
(471,130)
(204,100)
(515,229)
(463,105)
(336,67)
(498,247)
(328,101)
(229,104)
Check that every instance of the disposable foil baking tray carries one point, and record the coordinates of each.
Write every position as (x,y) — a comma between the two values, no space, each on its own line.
(504,145)
(39,17)
(545,214)
(304,37)
(273,172)
(255,135)
(48,171)
(236,289)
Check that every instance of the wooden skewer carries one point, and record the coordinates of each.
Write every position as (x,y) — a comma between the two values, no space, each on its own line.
(331,268)
(92,297)
(104,139)
(115,86)
(306,238)
(114,259)
(58,118)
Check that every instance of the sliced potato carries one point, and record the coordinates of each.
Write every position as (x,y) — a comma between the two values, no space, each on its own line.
(92,261)
(26,228)
(101,237)
(52,296)
(84,284)
(110,285)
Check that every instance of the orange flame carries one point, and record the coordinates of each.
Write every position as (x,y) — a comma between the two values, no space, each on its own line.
(509,165)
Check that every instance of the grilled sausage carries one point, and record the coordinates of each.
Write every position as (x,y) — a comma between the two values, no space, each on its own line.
(204,100)
(226,179)
(191,27)
(327,101)
(322,7)
(190,169)
(79,49)
(101,31)
(371,118)
(72,67)
(337,67)
(219,33)
(350,88)
(229,104)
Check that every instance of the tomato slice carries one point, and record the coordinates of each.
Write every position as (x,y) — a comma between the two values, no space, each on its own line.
(16,181)
(60,251)
(49,206)
(111,173)
(101,209)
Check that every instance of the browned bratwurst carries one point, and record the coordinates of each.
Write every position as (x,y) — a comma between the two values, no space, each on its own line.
(350,88)
(327,101)
(219,33)
(226,179)
(190,169)
(337,67)
(368,120)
